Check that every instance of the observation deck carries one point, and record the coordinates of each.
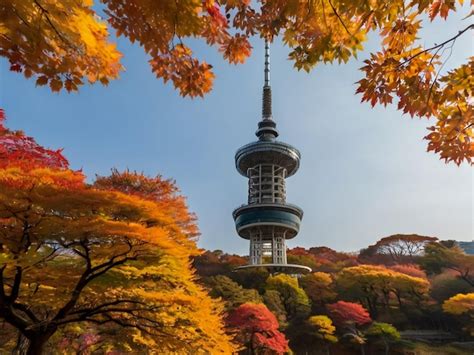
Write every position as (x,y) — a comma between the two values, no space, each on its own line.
(272,218)
(267,152)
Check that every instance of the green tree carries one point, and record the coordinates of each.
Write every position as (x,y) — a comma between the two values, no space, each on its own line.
(295,300)
(231,292)
(273,301)
(385,333)
(446,285)
(439,257)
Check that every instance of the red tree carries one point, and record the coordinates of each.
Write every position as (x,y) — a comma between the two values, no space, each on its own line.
(17,149)
(409,269)
(344,313)
(257,329)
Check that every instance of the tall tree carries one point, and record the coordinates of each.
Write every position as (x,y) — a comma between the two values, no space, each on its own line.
(401,248)
(72,254)
(439,257)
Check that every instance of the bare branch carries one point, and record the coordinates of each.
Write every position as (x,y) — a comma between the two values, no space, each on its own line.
(470,27)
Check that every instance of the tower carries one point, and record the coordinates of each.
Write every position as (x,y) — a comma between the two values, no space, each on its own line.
(267,221)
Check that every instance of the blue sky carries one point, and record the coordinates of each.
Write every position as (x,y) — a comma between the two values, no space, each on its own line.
(364,172)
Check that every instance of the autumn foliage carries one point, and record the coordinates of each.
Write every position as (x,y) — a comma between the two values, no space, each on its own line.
(344,313)
(461,303)
(64,44)
(347,306)
(257,328)
(110,266)
(17,149)
(107,267)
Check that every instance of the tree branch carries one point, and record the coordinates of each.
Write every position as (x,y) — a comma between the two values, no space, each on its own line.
(340,19)
(470,27)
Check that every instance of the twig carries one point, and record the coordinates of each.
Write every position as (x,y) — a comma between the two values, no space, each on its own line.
(438,45)
(340,19)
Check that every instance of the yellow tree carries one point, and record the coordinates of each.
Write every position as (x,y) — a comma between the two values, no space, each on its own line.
(459,305)
(64,43)
(323,330)
(73,255)
(376,286)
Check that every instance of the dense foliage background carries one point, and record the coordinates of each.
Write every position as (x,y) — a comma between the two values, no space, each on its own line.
(406,294)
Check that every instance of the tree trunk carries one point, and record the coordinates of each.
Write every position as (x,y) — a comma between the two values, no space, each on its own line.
(22,344)
(36,344)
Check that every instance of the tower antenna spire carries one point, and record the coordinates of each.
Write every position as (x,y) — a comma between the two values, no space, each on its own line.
(267,63)
(267,90)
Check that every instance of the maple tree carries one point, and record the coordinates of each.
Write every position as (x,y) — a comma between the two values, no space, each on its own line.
(64,43)
(348,317)
(257,329)
(77,255)
(17,149)
(344,313)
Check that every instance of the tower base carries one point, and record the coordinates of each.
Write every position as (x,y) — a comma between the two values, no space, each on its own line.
(291,269)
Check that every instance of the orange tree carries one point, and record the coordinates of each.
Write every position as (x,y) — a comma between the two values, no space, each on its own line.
(72,255)
(65,43)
